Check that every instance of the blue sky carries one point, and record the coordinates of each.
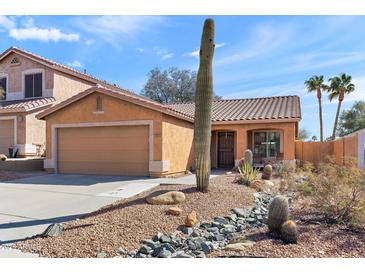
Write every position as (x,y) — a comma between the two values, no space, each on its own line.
(255,56)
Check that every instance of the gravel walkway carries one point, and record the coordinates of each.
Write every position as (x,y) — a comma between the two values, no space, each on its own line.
(125,223)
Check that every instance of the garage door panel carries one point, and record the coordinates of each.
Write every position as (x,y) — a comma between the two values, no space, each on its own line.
(105,143)
(103,156)
(105,168)
(6,135)
(114,150)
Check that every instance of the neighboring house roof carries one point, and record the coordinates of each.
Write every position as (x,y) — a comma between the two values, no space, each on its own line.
(68,70)
(138,100)
(266,108)
(25,105)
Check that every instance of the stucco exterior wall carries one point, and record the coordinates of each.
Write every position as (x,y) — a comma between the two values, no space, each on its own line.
(66,85)
(241,136)
(177,144)
(83,111)
(36,132)
(14,75)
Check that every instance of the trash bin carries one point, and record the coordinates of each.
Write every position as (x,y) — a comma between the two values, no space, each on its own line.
(13,151)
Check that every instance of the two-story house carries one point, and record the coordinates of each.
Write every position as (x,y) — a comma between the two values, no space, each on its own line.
(30,84)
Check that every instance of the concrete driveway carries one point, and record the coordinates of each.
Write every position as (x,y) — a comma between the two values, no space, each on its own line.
(29,205)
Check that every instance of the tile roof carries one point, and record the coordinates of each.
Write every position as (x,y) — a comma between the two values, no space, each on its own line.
(26,104)
(280,107)
(74,72)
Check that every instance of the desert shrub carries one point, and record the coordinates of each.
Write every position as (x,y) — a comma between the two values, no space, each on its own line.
(3,157)
(283,169)
(247,173)
(337,192)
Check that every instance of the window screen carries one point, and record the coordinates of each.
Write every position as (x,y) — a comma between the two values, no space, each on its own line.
(33,85)
(3,88)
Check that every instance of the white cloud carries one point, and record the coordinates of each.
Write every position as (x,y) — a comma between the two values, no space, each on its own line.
(75,64)
(116,29)
(140,50)
(89,42)
(219,45)
(167,56)
(28,30)
(162,53)
(264,39)
(44,35)
(6,22)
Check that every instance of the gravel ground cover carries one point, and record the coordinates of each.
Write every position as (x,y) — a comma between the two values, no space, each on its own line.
(124,224)
(316,240)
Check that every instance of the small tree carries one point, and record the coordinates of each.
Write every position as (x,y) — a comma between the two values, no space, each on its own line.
(203,107)
(303,134)
(352,120)
(171,86)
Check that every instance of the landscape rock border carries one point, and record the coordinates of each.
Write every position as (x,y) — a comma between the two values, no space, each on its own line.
(205,237)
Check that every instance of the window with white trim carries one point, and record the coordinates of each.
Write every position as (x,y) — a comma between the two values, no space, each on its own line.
(33,85)
(3,85)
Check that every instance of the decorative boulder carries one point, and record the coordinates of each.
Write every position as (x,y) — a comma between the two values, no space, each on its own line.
(174,211)
(289,232)
(191,219)
(168,198)
(53,230)
(3,157)
(266,173)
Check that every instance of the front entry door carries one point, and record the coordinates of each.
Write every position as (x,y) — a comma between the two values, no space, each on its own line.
(225,150)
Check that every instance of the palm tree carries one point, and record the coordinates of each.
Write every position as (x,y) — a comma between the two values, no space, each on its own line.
(315,83)
(339,86)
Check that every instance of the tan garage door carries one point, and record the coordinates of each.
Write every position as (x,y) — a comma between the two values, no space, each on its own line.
(115,150)
(6,135)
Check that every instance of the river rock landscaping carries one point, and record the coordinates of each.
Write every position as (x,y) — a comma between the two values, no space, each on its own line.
(231,222)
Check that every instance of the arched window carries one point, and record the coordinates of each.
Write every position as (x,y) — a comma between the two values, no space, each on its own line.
(99,104)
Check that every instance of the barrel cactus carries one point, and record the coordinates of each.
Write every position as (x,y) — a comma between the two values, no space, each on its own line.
(266,173)
(278,214)
(248,157)
(203,107)
(289,232)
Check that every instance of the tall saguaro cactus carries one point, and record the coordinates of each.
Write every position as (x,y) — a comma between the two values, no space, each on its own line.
(203,107)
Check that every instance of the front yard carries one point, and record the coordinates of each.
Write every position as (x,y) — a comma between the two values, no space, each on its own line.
(118,229)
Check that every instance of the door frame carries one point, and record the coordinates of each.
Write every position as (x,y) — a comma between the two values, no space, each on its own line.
(233,147)
(53,162)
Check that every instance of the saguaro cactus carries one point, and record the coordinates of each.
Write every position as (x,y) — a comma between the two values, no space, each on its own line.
(203,107)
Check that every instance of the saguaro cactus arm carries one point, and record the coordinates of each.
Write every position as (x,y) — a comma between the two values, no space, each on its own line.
(203,107)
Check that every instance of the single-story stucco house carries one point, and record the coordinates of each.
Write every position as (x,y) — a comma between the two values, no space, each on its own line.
(107,131)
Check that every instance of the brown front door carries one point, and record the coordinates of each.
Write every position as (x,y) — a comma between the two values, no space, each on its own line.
(225,150)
